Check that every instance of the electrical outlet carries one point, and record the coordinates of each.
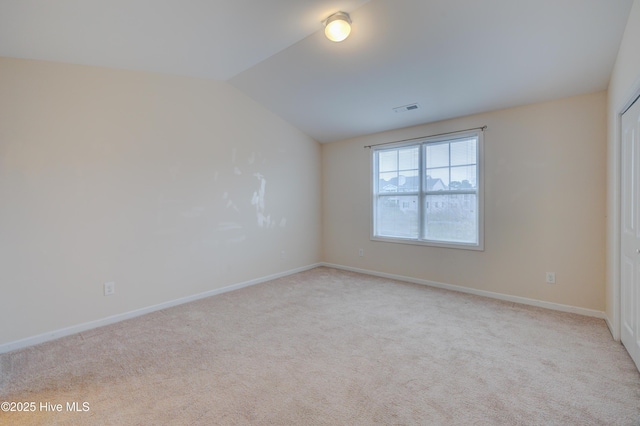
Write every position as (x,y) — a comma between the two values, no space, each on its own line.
(109,288)
(283,254)
(551,277)
(361,252)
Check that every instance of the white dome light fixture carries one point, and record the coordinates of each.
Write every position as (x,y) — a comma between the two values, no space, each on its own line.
(337,26)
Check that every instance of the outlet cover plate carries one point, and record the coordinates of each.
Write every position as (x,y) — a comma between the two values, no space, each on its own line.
(109,288)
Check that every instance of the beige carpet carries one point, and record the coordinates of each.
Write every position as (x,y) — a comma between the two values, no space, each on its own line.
(328,347)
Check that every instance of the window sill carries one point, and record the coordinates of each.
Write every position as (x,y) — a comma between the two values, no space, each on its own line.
(459,246)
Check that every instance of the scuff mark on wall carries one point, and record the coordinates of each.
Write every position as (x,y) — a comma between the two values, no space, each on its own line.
(232,232)
(228,226)
(258,201)
(230,204)
(234,203)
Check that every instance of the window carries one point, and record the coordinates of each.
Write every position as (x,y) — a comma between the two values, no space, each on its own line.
(429,192)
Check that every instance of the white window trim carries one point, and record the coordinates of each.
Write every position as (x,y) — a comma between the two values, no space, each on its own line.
(480,193)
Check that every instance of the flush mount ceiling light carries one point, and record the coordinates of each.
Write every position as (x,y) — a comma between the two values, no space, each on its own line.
(337,26)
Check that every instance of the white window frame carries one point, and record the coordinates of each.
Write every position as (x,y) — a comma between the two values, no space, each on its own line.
(421,193)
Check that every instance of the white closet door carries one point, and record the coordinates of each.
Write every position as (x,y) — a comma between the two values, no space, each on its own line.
(630,230)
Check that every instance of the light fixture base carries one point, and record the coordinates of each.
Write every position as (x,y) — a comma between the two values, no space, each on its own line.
(337,27)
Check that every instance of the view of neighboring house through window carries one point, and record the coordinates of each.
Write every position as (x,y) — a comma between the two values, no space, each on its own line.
(429,191)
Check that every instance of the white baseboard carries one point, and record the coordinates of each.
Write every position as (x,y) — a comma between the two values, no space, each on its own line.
(56,334)
(490,294)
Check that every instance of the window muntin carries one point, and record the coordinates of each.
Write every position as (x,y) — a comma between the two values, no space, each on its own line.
(429,192)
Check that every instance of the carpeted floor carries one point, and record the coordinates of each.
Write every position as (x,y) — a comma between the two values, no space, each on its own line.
(328,347)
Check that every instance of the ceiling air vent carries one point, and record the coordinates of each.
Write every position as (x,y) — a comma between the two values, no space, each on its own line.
(405,108)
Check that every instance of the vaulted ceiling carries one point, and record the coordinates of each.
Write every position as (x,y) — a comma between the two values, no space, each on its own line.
(451,57)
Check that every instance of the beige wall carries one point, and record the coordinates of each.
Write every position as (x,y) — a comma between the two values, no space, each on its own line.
(545,183)
(148,180)
(624,84)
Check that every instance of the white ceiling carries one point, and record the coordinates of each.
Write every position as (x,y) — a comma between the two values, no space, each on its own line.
(453,57)
(202,38)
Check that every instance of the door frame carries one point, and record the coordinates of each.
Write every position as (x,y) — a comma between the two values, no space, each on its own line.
(614,200)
